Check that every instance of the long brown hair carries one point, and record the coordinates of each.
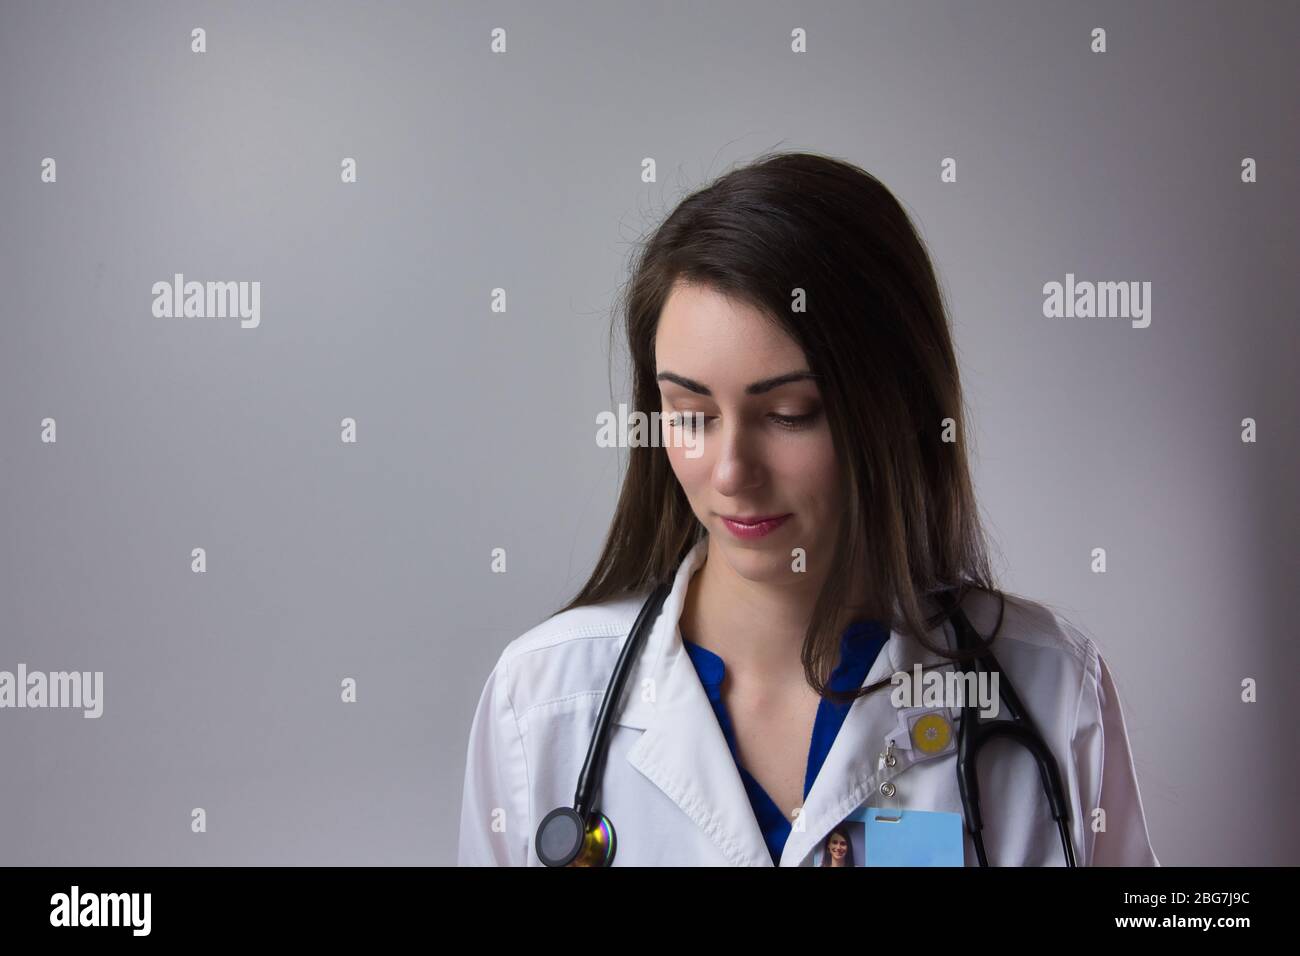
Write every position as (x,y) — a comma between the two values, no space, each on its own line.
(875,333)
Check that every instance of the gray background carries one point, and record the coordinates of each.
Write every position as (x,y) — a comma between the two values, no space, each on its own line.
(476,430)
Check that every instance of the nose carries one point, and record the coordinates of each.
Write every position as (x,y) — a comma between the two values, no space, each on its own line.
(738,467)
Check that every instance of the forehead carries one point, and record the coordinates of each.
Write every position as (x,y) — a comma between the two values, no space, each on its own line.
(704,332)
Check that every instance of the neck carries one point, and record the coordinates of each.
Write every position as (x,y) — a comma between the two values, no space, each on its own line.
(757,627)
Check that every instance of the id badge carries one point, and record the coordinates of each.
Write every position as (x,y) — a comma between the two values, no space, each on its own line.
(912,837)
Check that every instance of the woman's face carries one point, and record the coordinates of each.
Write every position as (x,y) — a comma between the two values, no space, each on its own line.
(764,449)
(838,846)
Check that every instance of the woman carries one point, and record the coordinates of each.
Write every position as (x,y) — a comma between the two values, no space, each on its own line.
(808,501)
(838,849)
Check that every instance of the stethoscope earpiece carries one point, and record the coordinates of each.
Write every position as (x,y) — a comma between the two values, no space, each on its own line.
(563,839)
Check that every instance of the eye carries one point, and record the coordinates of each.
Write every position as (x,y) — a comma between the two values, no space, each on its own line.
(689,420)
(795,422)
(692,421)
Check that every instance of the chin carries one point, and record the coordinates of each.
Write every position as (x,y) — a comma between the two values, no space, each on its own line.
(758,562)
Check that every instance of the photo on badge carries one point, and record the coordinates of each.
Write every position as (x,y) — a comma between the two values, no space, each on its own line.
(843,846)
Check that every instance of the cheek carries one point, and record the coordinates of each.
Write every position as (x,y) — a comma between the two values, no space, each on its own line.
(808,469)
(691,472)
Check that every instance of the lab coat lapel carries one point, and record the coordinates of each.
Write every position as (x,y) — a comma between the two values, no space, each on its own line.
(683,750)
(685,754)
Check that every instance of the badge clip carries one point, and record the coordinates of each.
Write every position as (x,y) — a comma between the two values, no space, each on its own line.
(888,789)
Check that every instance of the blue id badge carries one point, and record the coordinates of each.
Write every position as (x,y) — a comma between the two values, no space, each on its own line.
(911,837)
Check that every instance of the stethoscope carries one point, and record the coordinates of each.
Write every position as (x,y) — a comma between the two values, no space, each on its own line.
(975,731)
(583,836)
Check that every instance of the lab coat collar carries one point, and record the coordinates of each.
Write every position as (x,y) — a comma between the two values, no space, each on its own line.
(684,752)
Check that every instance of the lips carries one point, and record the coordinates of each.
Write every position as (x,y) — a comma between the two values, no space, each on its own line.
(752,526)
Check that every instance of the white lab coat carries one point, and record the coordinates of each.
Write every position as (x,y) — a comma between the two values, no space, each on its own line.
(675,797)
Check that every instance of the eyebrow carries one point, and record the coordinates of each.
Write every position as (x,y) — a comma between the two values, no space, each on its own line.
(756,388)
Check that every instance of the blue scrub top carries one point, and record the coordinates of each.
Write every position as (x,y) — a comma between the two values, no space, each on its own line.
(859,645)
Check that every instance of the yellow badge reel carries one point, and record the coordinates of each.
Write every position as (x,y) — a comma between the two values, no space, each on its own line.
(931,733)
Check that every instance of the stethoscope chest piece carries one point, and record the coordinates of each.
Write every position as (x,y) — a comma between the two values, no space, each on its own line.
(564,839)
